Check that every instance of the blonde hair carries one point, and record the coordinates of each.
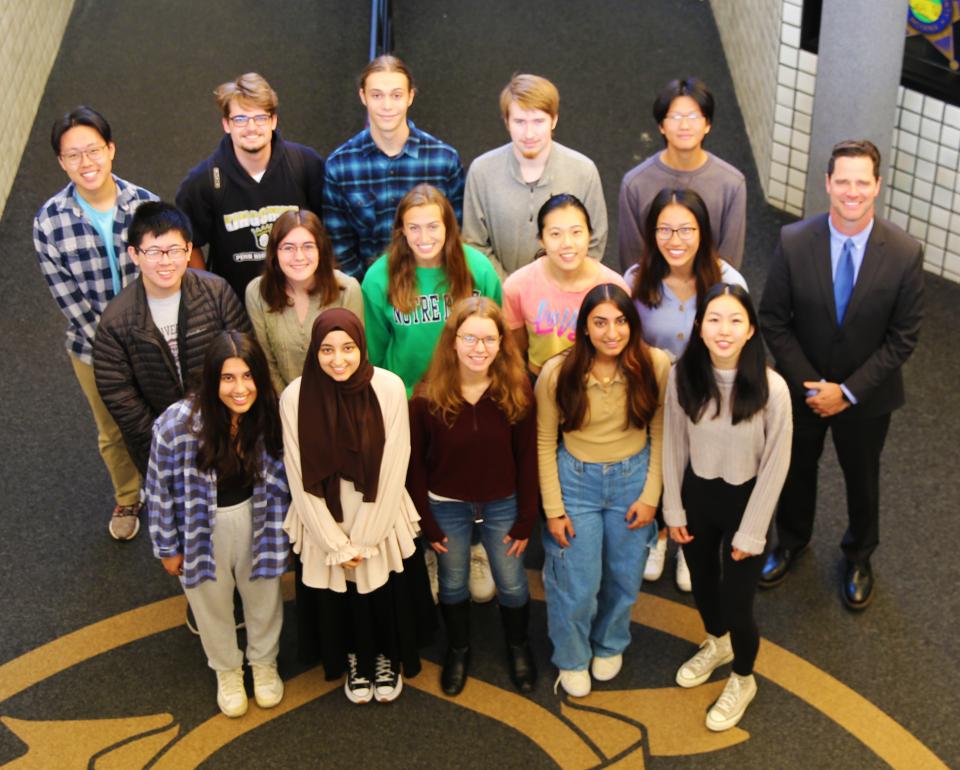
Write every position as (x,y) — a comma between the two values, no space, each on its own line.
(252,88)
(531,92)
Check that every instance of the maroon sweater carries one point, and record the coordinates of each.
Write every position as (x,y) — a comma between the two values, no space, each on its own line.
(480,458)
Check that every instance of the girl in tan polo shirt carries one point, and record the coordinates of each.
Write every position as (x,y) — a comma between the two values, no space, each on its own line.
(600,483)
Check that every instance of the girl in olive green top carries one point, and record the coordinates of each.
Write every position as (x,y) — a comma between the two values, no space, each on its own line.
(297,284)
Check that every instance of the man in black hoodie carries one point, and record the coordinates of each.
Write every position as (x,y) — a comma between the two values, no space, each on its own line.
(234,196)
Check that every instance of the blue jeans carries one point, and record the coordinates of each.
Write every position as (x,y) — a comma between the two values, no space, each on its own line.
(456,519)
(592,585)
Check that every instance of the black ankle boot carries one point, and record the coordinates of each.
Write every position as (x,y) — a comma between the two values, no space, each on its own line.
(456,661)
(523,671)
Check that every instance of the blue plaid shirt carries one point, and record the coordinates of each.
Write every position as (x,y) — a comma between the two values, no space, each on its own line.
(362,187)
(182,502)
(74,260)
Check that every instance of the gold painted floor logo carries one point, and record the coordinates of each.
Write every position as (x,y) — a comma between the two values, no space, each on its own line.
(607,729)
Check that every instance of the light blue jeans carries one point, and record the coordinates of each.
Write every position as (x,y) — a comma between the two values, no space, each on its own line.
(591,586)
(456,519)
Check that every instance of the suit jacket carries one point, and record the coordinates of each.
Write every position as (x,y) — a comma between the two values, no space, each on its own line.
(880,328)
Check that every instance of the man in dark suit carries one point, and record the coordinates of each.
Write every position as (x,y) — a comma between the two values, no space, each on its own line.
(841,313)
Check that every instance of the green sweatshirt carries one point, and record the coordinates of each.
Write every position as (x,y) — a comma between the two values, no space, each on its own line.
(404,343)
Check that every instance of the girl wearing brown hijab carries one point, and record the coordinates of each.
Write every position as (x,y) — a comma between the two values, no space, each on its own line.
(363,599)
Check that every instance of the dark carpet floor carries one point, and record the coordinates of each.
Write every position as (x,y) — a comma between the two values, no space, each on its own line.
(151,67)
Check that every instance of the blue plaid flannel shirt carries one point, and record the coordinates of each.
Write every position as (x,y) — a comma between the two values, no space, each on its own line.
(74,260)
(182,502)
(362,188)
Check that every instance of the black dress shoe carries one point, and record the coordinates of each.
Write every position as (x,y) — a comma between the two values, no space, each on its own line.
(858,585)
(778,563)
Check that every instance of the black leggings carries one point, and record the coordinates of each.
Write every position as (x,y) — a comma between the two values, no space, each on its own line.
(722,588)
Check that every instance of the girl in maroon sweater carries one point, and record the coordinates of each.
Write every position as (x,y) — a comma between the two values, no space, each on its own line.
(473,461)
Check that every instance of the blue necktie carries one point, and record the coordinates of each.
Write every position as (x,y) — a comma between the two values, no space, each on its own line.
(843,280)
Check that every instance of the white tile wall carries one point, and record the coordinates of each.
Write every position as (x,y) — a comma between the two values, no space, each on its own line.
(750,31)
(32,31)
(775,81)
(926,188)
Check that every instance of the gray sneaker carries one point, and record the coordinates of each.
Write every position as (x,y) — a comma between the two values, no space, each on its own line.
(731,704)
(125,521)
(714,652)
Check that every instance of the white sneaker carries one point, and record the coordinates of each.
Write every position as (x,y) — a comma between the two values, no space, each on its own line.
(713,653)
(482,588)
(732,703)
(683,573)
(575,683)
(655,561)
(231,697)
(430,557)
(605,669)
(267,685)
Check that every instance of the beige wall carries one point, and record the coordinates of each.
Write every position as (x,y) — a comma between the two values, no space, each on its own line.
(750,32)
(30,35)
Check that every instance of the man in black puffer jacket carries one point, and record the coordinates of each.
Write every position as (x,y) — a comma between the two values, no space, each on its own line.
(149,348)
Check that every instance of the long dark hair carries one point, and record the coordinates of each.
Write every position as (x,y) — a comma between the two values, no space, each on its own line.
(653,268)
(273,285)
(239,456)
(635,361)
(696,384)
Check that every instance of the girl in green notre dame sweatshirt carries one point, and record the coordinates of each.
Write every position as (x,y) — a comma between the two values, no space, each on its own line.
(408,292)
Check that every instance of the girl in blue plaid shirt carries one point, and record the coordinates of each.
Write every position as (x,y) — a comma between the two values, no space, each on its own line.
(216,498)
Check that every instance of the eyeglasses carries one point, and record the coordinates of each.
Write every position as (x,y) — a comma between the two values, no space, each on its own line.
(74,158)
(471,340)
(290,250)
(665,233)
(154,255)
(241,120)
(677,117)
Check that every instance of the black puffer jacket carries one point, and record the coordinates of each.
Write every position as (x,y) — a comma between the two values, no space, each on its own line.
(135,370)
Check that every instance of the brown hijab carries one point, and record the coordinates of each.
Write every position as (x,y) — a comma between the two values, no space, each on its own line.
(340,424)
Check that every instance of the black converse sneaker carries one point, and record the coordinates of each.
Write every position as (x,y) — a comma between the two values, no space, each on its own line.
(389,683)
(357,688)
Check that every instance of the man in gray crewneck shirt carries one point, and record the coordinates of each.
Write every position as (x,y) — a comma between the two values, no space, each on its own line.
(684,113)
(507,186)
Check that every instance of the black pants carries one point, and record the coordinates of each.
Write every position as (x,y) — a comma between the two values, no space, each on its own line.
(858,444)
(722,588)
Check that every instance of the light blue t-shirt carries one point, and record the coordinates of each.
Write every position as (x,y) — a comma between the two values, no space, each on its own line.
(102,222)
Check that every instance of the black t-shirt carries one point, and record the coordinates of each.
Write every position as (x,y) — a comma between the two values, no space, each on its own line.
(233,213)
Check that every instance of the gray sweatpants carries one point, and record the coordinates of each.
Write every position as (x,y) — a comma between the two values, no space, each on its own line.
(212,600)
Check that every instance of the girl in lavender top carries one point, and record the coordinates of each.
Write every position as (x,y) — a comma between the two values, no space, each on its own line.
(665,283)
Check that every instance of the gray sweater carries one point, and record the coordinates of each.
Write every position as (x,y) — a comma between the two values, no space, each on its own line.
(721,186)
(715,448)
(500,209)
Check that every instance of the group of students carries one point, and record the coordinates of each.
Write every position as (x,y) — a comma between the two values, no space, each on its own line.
(385,391)
(350,476)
